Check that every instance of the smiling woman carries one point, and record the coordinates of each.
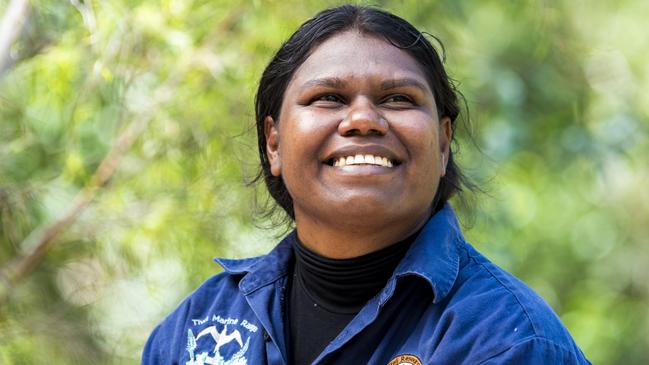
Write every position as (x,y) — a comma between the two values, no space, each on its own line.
(376,104)
(355,119)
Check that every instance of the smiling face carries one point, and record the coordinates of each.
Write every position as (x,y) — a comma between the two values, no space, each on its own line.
(359,143)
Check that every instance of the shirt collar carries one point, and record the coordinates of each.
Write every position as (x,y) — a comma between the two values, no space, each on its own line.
(261,270)
(434,256)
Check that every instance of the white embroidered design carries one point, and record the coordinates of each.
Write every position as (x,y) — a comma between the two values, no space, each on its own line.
(220,339)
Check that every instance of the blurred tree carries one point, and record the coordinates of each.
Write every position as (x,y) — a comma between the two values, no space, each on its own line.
(128,124)
(11,26)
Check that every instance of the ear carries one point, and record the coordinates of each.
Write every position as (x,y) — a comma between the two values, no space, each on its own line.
(272,146)
(445,138)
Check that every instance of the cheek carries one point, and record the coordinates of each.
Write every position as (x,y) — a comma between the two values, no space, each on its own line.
(422,140)
(421,137)
(301,135)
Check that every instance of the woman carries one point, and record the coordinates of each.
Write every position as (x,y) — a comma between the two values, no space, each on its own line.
(355,117)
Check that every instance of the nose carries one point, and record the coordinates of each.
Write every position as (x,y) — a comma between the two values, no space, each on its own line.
(363,119)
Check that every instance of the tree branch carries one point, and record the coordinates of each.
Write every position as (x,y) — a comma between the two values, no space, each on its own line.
(40,240)
(10,28)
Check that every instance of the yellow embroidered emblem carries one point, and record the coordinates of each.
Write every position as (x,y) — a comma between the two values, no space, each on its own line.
(405,360)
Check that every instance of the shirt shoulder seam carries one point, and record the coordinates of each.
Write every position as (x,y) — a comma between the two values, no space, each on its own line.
(527,340)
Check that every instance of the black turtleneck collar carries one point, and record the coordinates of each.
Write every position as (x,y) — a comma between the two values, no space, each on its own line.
(345,285)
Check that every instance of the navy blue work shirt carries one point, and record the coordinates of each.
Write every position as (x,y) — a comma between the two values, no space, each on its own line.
(444,304)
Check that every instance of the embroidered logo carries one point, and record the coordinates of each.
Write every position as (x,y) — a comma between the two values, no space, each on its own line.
(219,347)
(405,360)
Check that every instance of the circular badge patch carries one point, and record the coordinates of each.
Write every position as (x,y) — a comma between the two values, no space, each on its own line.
(405,360)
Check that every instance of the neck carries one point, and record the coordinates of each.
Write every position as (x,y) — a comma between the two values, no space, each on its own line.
(342,240)
(344,286)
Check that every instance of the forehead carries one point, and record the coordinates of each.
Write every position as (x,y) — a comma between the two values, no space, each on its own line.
(353,55)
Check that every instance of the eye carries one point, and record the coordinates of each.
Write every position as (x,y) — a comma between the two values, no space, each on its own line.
(398,100)
(327,100)
(329,97)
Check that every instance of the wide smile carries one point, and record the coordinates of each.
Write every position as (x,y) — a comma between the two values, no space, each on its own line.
(363,159)
(359,159)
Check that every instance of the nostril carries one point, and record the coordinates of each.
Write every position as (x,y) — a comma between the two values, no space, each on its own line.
(362,132)
(351,132)
(363,122)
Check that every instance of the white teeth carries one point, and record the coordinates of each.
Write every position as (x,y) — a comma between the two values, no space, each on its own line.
(363,160)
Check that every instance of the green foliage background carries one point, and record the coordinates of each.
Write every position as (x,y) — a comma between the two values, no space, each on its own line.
(559,108)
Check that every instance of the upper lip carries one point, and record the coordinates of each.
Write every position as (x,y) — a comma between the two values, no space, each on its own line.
(371,149)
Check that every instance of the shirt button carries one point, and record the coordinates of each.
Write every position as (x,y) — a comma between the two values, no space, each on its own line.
(265,335)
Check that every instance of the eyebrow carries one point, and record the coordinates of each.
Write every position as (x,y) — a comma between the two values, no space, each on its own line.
(332,82)
(338,83)
(397,83)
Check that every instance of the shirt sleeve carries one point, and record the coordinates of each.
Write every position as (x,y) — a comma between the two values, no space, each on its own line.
(538,351)
(167,342)
(151,354)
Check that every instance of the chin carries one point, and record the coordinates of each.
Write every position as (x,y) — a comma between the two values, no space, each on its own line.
(371,209)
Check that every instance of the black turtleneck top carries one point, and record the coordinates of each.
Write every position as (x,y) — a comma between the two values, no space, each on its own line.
(325,294)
